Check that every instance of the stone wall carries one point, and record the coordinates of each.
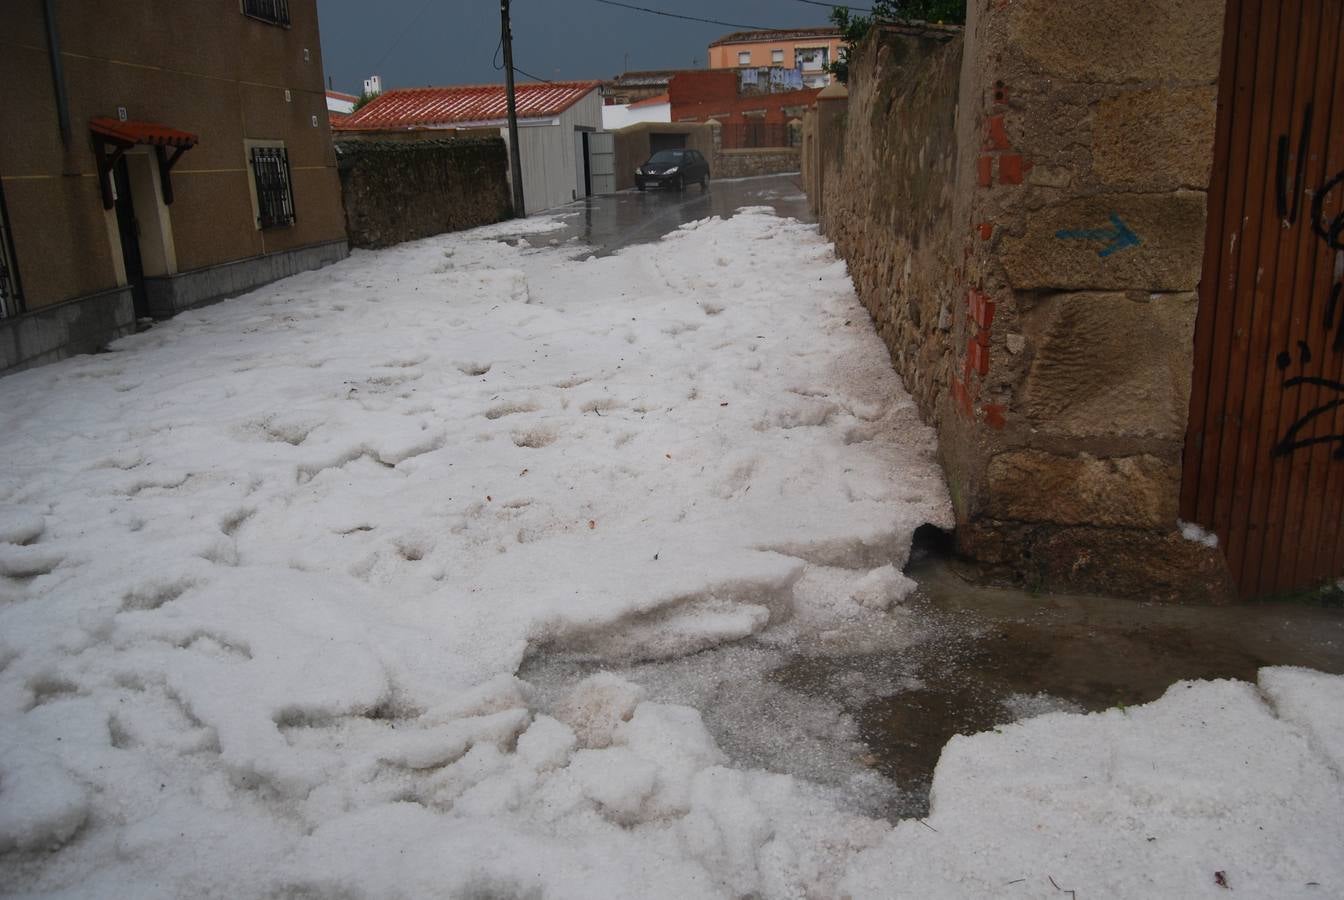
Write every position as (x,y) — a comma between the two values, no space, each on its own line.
(890,185)
(400,191)
(748,163)
(1022,208)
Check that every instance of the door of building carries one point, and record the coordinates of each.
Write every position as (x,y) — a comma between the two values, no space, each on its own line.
(660,141)
(1264,450)
(602,162)
(11,288)
(129,231)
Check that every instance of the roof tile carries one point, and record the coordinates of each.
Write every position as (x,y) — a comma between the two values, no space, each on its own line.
(423,107)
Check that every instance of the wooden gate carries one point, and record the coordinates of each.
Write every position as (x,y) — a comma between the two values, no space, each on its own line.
(1264,451)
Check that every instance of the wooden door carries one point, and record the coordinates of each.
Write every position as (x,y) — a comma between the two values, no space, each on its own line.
(1264,450)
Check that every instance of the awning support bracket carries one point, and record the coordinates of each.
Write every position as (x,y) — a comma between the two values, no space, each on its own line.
(106,164)
(166,164)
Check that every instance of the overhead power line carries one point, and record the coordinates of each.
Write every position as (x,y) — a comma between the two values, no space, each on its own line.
(672,15)
(401,34)
(499,66)
(857,9)
(533,77)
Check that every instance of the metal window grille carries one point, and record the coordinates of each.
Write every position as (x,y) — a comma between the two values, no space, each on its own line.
(276,11)
(275,199)
(11,295)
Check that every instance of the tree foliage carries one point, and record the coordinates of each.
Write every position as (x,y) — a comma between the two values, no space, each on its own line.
(853,28)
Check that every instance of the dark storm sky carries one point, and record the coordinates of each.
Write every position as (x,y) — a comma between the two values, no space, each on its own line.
(413,43)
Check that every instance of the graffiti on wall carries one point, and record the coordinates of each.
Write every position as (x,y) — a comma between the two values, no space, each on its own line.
(1291,440)
(1332,234)
(1114,239)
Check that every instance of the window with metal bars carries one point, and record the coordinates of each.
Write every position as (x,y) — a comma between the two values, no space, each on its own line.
(276,11)
(11,294)
(275,198)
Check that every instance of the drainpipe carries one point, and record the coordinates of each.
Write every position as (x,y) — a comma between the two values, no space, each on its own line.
(57,73)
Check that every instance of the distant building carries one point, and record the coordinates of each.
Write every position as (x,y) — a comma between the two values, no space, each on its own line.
(750,118)
(553,121)
(340,104)
(808,50)
(373,85)
(657,108)
(631,87)
(169,154)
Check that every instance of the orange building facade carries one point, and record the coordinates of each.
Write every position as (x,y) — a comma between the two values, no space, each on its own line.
(807,49)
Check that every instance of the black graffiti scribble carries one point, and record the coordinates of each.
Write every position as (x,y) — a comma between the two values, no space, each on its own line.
(1332,233)
(1285,358)
(1290,442)
(1289,216)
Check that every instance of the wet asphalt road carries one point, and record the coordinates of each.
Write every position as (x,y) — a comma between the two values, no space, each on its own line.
(612,221)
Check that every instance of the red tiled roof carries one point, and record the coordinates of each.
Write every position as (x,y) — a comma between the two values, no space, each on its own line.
(652,101)
(133,132)
(341,95)
(420,107)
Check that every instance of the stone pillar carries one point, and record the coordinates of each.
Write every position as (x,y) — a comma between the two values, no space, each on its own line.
(716,135)
(832,103)
(1084,178)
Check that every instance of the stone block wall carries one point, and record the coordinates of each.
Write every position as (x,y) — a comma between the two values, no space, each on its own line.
(749,163)
(1022,205)
(396,191)
(888,166)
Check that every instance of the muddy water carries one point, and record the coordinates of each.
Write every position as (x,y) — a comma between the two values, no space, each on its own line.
(868,715)
(995,655)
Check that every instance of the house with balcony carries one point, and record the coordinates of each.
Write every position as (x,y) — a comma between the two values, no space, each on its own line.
(809,50)
(156,156)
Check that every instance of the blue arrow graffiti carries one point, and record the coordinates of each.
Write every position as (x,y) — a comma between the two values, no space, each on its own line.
(1117,237)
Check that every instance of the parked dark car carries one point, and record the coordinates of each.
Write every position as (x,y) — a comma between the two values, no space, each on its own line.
(674,169)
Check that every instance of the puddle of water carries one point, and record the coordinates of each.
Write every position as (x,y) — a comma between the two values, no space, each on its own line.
(866,712)
(1001,655)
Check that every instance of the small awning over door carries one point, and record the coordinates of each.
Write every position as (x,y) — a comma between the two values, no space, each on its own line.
(118,137)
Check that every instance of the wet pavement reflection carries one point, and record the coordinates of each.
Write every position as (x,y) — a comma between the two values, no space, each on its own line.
(607,223)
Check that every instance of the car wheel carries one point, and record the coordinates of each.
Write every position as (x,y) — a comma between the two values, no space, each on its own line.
(704,182)
(642,187)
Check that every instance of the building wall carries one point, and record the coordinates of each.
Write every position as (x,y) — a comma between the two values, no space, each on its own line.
(692,89)
(725,56)
(970,182)
(548,156)
(621,116)
(203,68)
(701,96)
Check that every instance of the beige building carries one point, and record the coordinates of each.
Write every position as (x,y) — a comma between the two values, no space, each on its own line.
(807,49)
(156,156)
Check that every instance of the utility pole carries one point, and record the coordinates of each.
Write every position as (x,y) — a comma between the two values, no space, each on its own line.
(515,161)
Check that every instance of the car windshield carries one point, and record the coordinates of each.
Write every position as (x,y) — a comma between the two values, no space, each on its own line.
(667,157)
